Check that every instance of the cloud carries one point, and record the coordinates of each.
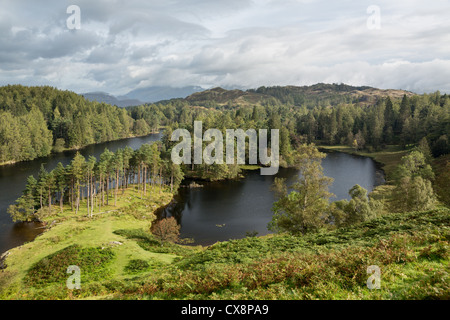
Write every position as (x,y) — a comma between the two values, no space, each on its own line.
(123,45)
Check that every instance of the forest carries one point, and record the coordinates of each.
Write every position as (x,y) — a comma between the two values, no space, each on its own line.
(95,181)
(419,121)
(34,121)
(404,121)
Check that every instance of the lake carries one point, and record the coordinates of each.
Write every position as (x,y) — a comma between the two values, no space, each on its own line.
(217,212)
(225,210)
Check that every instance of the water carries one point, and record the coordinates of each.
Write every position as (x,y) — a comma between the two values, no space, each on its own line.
(231,209)
(217,212)
(13,180)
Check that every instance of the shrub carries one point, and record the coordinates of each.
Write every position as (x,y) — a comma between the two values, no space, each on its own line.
(92,262)
(136,266)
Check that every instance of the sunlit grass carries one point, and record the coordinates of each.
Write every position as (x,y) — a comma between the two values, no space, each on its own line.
(97,231)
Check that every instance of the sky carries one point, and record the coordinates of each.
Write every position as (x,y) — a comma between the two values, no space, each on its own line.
(119,45)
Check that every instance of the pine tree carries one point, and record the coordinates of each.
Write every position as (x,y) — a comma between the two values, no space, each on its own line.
(61,182)
(77,170)
(25,206)
(117,166)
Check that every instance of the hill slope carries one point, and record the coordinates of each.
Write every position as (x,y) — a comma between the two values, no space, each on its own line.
(411,250)
(310,96)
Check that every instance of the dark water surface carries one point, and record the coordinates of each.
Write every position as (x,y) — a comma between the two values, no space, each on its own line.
(13,180)
(230,209)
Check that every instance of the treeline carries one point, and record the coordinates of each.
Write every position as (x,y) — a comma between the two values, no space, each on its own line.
(403,121)
(36,120)
(97,181)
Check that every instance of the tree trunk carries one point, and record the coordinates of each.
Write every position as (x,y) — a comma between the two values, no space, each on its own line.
(49,200)
(61,199)
(124,181)
(77,203)
(116,187)
(88,185)
(107,190)
(145,181)
(71,194)
(139,177)
(160,180)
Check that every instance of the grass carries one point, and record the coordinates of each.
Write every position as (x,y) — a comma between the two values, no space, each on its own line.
(250,167)
(92,235)
(411,249)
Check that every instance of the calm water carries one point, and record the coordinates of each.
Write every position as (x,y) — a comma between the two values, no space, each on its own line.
(217,212)
(13,180)
(229,209)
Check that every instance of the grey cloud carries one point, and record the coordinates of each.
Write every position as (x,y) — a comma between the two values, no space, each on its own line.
(125,44)
(106,54)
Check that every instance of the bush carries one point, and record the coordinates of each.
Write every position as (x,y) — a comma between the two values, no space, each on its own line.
(436,251)
(52,269)
(136,266)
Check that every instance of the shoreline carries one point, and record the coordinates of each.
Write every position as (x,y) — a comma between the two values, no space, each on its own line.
(76,148)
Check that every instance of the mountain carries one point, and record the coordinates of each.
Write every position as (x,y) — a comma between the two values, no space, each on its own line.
(110,99)
(155,94)
(142,95)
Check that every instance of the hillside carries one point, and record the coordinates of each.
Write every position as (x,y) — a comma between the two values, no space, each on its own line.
(310,96)
(121,260)
(35,121)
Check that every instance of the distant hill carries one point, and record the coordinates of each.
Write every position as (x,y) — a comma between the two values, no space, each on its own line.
(309,96)
(112,100)
(142,95)
(155,94)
